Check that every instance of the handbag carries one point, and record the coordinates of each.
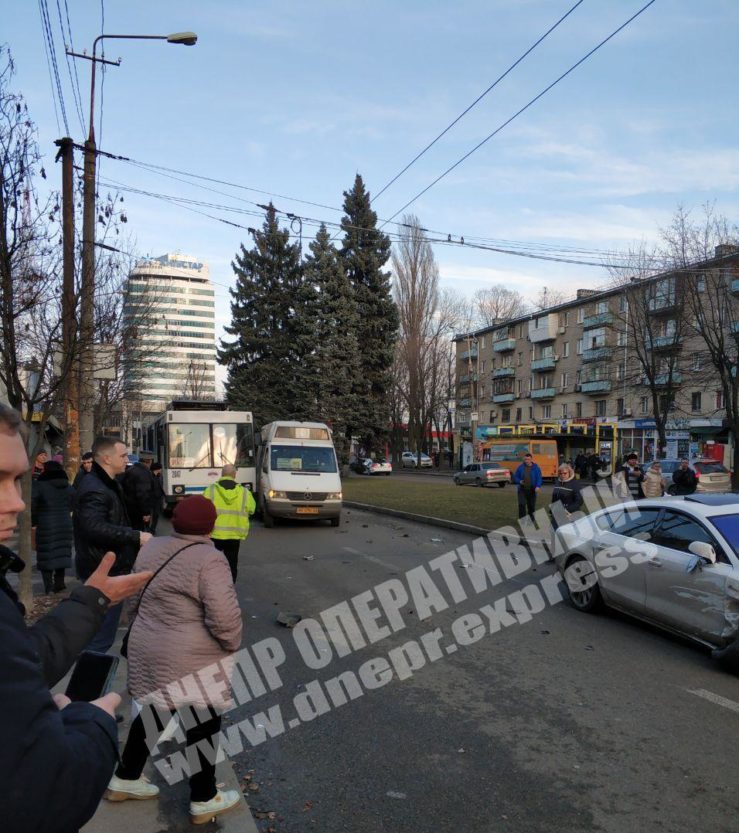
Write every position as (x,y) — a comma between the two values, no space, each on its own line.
(124,642)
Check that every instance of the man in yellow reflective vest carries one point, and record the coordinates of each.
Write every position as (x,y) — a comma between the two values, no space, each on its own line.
(234,503)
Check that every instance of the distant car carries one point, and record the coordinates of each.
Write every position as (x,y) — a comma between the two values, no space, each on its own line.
(381,466)
(712,475)
(409,460)
(358,464)
(671,562)
(483,474)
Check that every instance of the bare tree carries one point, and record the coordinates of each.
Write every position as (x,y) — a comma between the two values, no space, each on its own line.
(550,298)
(495,305)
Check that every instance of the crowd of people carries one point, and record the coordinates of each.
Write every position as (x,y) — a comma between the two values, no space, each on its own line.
(59,758)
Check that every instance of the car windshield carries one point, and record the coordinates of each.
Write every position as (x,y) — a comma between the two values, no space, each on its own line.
(302,458)
(669,466)
(728,526)
(710,468)
(491,466)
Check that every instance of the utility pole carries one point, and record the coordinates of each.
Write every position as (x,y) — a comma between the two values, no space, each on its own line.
(69,363)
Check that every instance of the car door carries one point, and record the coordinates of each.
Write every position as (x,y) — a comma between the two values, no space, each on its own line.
(619,563)
(470,473)
(694,602)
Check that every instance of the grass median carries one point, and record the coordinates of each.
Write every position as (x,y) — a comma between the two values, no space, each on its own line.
(488,507)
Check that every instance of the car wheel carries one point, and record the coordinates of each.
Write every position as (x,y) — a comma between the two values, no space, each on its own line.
(457,482)
(501,484)
(478,482)
(582,585)
(335,521)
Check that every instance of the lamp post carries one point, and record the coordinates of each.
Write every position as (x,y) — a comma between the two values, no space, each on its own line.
(87,299)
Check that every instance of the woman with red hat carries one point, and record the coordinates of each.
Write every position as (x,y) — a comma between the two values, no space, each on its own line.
(186,619)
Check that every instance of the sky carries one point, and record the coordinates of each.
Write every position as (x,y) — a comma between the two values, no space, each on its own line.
(295,99)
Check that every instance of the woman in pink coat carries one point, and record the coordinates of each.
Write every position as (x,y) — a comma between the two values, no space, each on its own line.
(186,619)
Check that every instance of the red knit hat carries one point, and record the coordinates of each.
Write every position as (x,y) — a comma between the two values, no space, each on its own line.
(194,515)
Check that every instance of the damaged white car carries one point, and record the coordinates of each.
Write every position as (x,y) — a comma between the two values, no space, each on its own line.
(672,562)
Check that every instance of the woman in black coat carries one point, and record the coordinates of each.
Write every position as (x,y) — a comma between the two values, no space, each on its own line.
(567,491)
(51,517)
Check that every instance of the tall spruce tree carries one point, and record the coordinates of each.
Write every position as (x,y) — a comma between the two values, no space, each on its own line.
(332,367)
(365,251)
(264,360)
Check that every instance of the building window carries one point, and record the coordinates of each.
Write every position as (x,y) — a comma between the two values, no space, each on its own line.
(600,407)
(620,407)
(506,414)
(483,366)
(564,412)
(482,342)
(520,330)
(566,350)
(518,415)
(546,411)
(697,362)
(719,399)
(531,411)
(482,391)
(695,401)
(579,347)
(578,409)
(567,318)
(623,304)
(520,359)
(621,338)
(620,372)
(580,315)
(644,404)
(565,379)
(701,283)
(601,307)
(666,404)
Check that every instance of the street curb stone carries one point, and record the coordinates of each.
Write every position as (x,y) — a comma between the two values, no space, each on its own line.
(423,519)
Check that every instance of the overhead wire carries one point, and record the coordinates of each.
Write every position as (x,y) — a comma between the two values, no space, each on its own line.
(75,87)
(522,110)
(53,66)
(477,100)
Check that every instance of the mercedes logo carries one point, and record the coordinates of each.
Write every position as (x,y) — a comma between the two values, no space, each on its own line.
(307,495)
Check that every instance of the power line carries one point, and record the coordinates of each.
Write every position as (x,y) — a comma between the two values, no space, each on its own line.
(477,100)
(51,57)
(519,112)
(75,89)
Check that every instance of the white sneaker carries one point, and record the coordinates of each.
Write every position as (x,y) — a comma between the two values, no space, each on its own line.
(119,789)
(201,812)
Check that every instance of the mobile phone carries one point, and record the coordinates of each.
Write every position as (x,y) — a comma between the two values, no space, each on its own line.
(92,677)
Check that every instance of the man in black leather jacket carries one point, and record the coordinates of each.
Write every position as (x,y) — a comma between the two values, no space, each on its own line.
(101,524)
(56,757)
(139,488)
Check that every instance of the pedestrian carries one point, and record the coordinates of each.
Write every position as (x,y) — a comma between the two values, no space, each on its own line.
(56,757)
(528,479)
(581,465)
(653,485)
(685,479)
(629,478)
(51,521)
(234,504)
(186,619)
(139,488)
(159,495)
(101,524)
(85,468)
(38,465)
(593,464)
(567,492)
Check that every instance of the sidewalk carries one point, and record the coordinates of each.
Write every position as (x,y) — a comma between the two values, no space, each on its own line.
(168,813)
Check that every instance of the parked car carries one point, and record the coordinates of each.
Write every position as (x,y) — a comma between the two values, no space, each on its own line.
(712,475)
(483,474)
(381,466)
(409,460)
(671,562)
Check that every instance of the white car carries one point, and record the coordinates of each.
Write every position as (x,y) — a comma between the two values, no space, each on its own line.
(409,460)
(381,466)
(673,562)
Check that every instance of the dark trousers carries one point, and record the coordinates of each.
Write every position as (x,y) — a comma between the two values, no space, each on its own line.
(53,580)
(526,503)
(105,637)
(230,548)
(202,782)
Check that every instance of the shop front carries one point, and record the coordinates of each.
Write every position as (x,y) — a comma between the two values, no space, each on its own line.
(684,437)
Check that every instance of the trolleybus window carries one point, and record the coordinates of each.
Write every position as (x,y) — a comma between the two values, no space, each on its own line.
(189,446)
(233,445)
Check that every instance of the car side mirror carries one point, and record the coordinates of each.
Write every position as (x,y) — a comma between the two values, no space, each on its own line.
(703,550)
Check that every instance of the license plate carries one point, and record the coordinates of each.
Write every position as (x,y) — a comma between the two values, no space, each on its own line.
(306,510)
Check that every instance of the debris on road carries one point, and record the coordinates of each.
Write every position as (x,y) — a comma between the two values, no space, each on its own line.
(308,557)
(437,540)
(289,620)
(307,806)
(394,794)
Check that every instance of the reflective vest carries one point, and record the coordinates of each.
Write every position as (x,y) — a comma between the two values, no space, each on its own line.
(233,506)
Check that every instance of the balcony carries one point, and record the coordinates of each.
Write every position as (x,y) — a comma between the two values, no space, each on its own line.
(735,286)
(504,345)
(464,403)
(469,354)
(735,328)
(602,319)
(595,354)
(661,380)
(547,363)
(543,393)
(468,377)
(662,303)
(666,342)
(502,398)
(596,386)
(543,328)
(504,372)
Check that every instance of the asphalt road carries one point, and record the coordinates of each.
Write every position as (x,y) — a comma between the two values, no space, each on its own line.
(565,722)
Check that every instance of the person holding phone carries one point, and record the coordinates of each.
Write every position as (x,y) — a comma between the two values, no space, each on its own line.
(56,756)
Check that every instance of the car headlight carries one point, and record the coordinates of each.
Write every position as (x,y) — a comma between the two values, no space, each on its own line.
(179,490)
(274,494)
(333,496)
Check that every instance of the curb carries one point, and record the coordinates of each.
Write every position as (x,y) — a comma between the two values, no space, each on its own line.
(422,519)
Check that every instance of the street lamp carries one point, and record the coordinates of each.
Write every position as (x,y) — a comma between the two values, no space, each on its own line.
(87,300)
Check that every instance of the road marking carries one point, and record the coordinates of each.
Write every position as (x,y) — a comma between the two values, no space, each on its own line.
(386,564)
(715,698)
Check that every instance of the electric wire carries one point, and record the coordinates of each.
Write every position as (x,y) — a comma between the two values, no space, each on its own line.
(522,110)
(477,100)
(51,63)
(75,89)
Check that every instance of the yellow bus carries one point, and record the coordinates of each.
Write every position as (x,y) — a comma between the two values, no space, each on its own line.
(510,452)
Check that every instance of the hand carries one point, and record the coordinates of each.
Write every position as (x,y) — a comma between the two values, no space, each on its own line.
(116,588)
(146,518)
(144,537)
(61,700)
(109,703)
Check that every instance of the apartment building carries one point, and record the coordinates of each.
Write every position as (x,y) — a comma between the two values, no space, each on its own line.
(171,303)
(588,371)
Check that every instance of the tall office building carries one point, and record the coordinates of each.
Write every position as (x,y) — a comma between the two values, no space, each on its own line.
(170,303)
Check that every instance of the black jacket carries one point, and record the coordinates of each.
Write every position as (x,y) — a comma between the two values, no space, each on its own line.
(139,489)
(54,765)
(81,474)
(685,481)
(101,524)
(51,509)
(569,493)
